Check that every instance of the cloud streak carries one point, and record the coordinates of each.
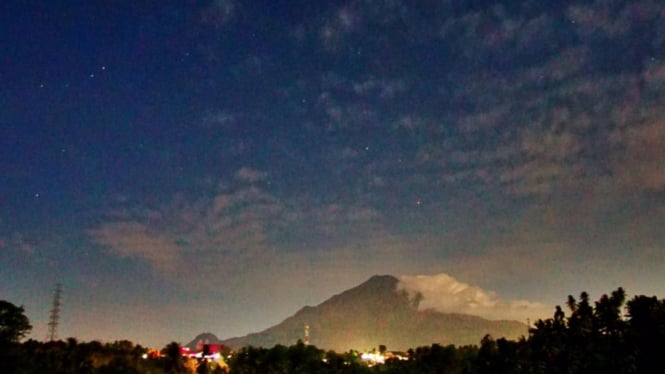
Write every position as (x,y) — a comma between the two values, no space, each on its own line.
(443,293)
(136,241)
(241,226)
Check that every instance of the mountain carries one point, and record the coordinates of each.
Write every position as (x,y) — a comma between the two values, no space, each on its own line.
(375,313)
(204,338)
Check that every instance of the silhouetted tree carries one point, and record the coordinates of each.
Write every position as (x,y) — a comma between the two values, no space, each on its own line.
(646,333)
(173,361)
(592,339)
(14,325)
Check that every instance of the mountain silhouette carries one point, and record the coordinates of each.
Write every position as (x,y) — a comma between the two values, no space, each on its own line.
(203,338)
(376,313)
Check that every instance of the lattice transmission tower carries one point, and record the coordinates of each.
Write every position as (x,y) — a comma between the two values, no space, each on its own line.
(54,316)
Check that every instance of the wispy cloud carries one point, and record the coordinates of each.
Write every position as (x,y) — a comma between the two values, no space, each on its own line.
(597,18)
(137,241)
(242,225)
(641,164)
(235,223)
(249,175)
(443,293)
(345,21)
(17,241)
(219,13)
(219,119)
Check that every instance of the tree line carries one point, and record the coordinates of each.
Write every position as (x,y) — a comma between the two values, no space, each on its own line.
(610,335)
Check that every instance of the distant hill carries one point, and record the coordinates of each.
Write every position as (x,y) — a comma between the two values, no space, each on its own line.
(204,338)
(375,313)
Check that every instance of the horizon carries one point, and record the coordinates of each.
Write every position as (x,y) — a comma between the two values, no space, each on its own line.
(534,313)
(211,165)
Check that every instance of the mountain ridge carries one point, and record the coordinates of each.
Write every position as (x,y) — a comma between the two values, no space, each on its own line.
(375,313)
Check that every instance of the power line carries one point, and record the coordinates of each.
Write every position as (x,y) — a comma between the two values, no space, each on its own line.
(54,317)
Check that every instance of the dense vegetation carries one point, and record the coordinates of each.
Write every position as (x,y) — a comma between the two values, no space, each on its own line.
(608,336)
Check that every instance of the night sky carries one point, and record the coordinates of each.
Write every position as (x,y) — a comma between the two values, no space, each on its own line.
(191,166)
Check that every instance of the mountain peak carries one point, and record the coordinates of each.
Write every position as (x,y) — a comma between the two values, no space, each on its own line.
(383,284)
(203,338)
(381,281)
(375,313)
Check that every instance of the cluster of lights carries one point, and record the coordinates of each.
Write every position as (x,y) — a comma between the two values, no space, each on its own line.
(373,358)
